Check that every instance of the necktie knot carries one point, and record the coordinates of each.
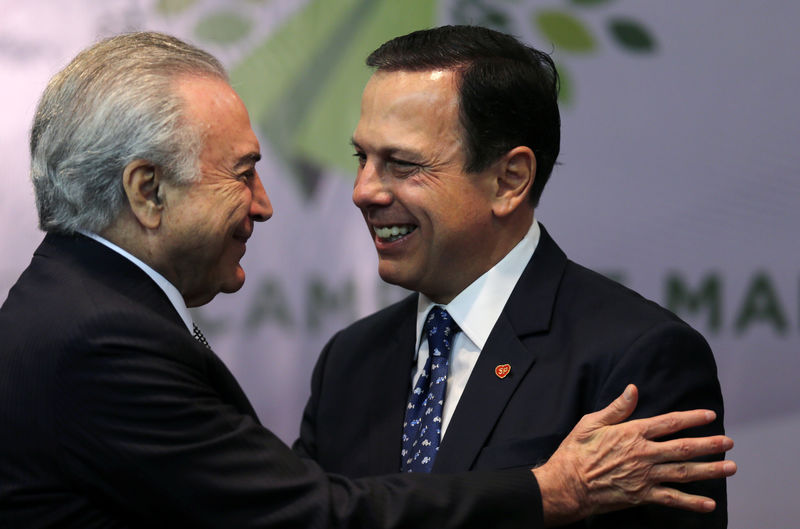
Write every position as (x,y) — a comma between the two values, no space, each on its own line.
(440,330)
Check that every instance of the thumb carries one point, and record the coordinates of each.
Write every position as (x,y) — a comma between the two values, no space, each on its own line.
(620,409)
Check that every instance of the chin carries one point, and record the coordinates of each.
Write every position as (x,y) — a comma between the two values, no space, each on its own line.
(397,277)
(234,283)
(199,301)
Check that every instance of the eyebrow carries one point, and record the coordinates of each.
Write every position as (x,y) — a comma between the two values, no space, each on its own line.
(391,151)
(247,160)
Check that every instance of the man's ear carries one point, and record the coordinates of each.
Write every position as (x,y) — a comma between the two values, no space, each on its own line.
(516,171)
(141,180)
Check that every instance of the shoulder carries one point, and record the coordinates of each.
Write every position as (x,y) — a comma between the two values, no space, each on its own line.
(392,327)
(76,296)
(596,317)
(620,325)
(384,322)
(593,295)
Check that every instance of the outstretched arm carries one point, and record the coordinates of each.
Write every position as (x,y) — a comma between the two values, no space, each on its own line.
(605,465)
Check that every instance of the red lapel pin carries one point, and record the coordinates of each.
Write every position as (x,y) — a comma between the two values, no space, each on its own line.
(502,370)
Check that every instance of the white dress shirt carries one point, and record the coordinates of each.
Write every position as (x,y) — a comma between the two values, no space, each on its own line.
(169,289)
(475,310)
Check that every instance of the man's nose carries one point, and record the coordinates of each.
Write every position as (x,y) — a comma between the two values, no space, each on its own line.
(370,188)
(260,206)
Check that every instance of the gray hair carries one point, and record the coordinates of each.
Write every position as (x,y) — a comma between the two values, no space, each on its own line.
(113,104)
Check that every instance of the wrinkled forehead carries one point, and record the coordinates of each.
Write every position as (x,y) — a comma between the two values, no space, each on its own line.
(214,108)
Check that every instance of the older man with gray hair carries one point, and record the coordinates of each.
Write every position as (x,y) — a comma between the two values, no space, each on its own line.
(115,412)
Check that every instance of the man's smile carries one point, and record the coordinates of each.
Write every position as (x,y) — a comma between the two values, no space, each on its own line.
(394,232)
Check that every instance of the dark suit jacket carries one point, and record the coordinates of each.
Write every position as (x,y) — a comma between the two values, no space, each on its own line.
(112,415)
(573,339)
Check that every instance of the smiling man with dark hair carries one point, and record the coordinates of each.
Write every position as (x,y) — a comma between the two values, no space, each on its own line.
(506,343)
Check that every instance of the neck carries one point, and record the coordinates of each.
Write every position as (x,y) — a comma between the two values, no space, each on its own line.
(509,233)
(136,240)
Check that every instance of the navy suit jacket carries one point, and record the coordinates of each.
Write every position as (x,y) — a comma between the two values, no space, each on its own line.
(112,415)
(573,339)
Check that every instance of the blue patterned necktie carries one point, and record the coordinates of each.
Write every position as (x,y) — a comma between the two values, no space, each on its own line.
(423,423)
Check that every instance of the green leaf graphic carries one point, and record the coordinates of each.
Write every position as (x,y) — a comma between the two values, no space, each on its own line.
(631,35)
(565,31)
(565,90)
(281,80)
(303,84)
(589,2)
(173,7)
(223,28)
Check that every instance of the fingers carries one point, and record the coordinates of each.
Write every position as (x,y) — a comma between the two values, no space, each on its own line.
(690,448)
(684,473)
(687,472)
(680,500)
(616,412)
(669,423)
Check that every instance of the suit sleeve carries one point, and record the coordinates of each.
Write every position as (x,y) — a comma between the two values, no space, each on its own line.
(144,432)
(674,369)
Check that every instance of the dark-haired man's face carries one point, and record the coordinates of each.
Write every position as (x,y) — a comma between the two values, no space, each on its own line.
(429,220)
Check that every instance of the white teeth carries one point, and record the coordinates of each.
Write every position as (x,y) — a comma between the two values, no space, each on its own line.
(392,232)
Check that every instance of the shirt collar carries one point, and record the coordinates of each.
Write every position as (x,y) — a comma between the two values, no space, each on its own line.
(169,289)
(477,308)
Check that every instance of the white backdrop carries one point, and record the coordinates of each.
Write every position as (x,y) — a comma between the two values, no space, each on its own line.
(678,176)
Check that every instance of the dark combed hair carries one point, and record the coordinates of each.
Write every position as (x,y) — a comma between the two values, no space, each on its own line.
(508,91)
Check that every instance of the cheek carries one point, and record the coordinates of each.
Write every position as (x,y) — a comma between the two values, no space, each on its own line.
(240,205)
(231,195)
(461,228)
(229,213)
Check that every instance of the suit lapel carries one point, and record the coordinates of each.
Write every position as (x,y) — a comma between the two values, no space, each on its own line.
(528,311)
(391,375)
(483,399)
